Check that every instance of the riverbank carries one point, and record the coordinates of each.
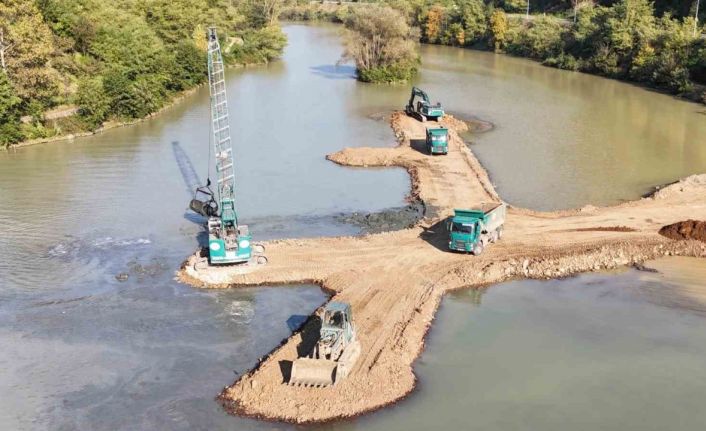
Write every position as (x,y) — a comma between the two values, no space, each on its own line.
(395,280)
(107,125)
(672,65)
(113,124)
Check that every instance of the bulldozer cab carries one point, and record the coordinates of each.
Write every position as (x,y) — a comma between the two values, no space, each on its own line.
(337,318)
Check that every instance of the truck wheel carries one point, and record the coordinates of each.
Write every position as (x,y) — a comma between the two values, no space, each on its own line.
(500,232)
(478,249)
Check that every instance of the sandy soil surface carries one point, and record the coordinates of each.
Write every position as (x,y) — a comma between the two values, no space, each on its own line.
(395,280)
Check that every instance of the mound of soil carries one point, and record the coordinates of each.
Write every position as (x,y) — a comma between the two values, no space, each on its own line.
(689,229)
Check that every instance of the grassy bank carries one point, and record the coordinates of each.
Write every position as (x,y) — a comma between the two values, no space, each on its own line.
(116,62)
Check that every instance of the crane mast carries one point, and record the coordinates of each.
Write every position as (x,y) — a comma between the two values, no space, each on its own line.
(220,127)
(227,241)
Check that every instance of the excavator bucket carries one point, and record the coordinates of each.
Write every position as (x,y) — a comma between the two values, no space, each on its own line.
(313,372)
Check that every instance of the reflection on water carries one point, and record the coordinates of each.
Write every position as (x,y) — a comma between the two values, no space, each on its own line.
(598,351)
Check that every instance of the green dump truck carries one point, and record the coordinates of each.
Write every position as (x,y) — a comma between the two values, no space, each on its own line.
(437,140)
(470,230)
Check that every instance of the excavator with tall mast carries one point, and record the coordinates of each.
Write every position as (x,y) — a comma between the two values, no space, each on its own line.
(228,242)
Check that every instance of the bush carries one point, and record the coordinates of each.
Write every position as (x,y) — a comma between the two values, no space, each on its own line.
(388,74)
(563,61)
(258,46)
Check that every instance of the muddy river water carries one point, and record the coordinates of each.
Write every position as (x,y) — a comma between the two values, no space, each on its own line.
(82,350)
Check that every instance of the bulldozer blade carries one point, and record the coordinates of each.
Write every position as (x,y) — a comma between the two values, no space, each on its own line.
(313,372)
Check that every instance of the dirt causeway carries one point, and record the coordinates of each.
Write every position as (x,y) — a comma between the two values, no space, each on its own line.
(395,280)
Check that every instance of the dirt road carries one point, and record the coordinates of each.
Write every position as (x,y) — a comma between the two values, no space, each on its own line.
(395,280)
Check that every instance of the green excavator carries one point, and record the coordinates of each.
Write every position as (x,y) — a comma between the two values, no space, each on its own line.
(423,108)
(228,242)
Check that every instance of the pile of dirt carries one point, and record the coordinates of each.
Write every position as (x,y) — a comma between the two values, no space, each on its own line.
(689,229)
(685,185)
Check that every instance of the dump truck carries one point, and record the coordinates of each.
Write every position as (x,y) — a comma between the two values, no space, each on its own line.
(335,353)
(470,230)
(423,108)
(437,140)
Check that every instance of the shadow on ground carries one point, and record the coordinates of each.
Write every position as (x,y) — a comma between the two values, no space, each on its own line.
(310,336)
(437,235)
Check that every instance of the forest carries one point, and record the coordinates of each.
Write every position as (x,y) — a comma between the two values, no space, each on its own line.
(116,61)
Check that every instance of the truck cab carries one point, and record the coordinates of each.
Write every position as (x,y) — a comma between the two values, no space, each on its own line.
(437,141)
(470,230)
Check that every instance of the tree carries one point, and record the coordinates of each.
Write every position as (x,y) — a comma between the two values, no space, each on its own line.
(262,13)
(474,19)
(31,47)
(381,44)
(93,103)
(540,38)
(174,20)
(432,26)
(5,48)
(498,29)
(9,115)
(199,38)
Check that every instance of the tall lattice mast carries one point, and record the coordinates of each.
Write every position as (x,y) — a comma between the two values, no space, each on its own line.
(221,130)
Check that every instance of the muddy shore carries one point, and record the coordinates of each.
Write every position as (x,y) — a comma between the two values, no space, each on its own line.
(395,280)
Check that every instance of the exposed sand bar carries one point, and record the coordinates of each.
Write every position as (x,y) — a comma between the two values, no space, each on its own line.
(395,280)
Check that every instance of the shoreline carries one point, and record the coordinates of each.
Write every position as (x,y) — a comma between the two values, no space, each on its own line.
(108,125)
(395,280)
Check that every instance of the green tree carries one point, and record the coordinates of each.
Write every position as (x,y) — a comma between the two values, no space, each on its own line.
(92,101)
(9,114)
(174,20)
(189,67)
(540,38)
(382,44)
(474,19)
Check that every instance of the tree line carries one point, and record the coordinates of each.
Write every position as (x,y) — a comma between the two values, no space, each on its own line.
(658,44)
(117,60)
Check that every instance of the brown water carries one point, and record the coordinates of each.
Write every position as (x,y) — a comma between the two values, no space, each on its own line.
(564,139)
(84,351)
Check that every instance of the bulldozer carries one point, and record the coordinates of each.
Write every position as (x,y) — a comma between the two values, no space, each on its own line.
(423,109)
(335,353)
